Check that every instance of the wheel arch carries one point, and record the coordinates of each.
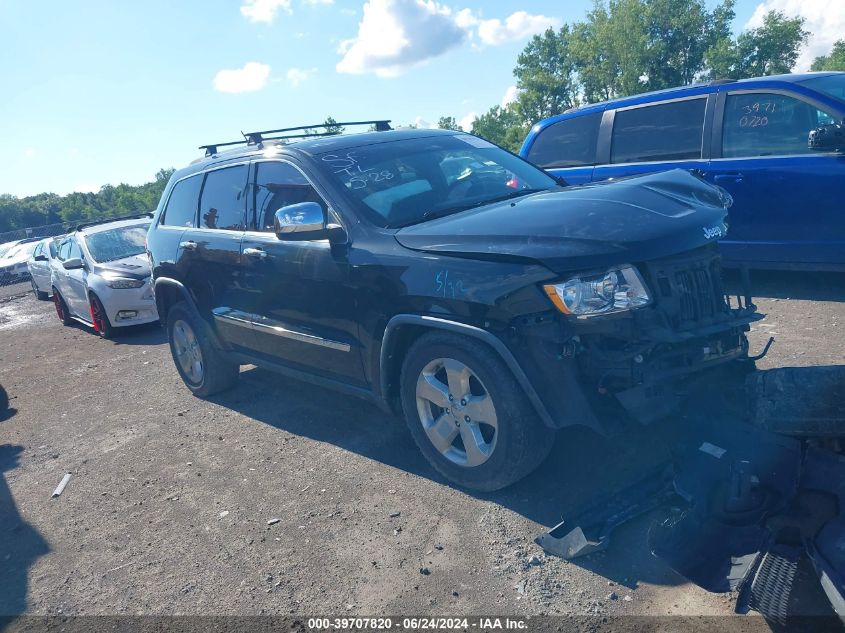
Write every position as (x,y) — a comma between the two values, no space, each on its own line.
(168,292)
(403,329)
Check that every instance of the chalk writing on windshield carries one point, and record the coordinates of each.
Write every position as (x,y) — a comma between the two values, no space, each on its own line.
(355,175)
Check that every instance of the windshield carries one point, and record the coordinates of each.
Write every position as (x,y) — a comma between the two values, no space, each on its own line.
(404,182)
(831,85)
(126,241)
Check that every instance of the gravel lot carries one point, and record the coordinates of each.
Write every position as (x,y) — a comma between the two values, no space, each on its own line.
(279,497)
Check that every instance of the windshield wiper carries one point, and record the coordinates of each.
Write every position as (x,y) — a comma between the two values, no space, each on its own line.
(439,213)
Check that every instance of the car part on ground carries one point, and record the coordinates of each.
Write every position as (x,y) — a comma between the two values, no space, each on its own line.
(381,243)
(742,503)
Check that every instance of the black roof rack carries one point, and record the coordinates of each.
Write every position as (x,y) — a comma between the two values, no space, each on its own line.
(137,216)
(254,138)
(719,82)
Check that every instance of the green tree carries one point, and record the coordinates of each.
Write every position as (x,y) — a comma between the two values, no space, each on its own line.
(770,49)
(545,76)
(835,60)
(502,126)
(449,123)
(331,126)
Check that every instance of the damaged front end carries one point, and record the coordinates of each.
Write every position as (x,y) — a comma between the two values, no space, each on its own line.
(643,358)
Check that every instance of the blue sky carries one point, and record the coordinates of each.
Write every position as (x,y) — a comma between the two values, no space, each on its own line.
(109,91)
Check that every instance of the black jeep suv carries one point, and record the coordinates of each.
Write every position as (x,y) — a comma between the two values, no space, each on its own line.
(444,277)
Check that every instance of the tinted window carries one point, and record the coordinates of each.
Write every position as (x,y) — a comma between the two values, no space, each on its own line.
(114,244)
(223,203)
(404,182)
(768,124)
(567,143)
(182,206)
(278,185)
(75,251)
(64,250)
(668,131)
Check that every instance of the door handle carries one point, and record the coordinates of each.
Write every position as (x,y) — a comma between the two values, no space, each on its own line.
(190,245)
(255,252)
(735,177)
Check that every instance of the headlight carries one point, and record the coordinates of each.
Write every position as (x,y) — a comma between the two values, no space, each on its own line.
(615,291)
(121,282)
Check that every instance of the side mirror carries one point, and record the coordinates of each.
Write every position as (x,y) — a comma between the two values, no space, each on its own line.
(300,222)
(74,263)
(827,138)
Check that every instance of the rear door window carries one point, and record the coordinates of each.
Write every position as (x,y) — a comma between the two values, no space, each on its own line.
(181,208)
(567,143)
(223,203)
(64,250)
(768,124)
(661,132)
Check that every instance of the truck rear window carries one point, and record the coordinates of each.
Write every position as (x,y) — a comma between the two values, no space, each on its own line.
(567,143)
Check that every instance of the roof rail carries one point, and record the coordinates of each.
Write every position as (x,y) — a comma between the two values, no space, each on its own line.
(137,216)
(254,138)
(717,82)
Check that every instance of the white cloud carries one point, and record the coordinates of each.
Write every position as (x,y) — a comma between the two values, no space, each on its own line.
(297,75)
(466,122)
(422,123)
(395,35)
(315,2)
(253,76)
(263,10)
(29,152)
(516,26)
(825,19)
(510,96)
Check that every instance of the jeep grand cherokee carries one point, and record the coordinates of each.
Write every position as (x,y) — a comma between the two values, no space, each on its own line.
(447,279)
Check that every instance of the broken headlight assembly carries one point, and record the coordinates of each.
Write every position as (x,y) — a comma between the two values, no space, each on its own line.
(617,290)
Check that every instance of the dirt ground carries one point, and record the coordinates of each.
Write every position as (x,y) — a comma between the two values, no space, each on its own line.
(280,497)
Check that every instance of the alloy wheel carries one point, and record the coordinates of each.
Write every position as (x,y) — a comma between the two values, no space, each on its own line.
(457,412)
(188,352)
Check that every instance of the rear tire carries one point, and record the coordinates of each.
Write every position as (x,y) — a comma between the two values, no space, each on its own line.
(458,393)
(203,368)
(61,308)
(39,294)
(100,319)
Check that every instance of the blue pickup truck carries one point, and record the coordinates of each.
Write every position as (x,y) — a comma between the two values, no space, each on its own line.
(749,136)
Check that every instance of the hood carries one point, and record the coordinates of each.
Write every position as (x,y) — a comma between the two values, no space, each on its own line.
(133,267)
(629,220)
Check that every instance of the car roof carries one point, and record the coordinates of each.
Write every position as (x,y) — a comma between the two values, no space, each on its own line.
(313,146)
(106,226)
(682,91)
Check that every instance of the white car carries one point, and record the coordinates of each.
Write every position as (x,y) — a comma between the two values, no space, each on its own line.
(40,270)
(13,263)
(101,277)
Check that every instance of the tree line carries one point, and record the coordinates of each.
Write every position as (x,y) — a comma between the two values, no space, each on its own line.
(625,47)
(109,201)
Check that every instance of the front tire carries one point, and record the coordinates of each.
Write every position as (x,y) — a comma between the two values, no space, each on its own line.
(100,318)
(203,368)
(61,308)
(468,415)
(39,294)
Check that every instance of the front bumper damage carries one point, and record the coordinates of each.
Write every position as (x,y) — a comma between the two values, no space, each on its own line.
(740,504)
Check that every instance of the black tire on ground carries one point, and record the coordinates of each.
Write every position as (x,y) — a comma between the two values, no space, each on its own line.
(216,373)
(61,308)
(522,441)
(39,294)
(102,325)
(4,401)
